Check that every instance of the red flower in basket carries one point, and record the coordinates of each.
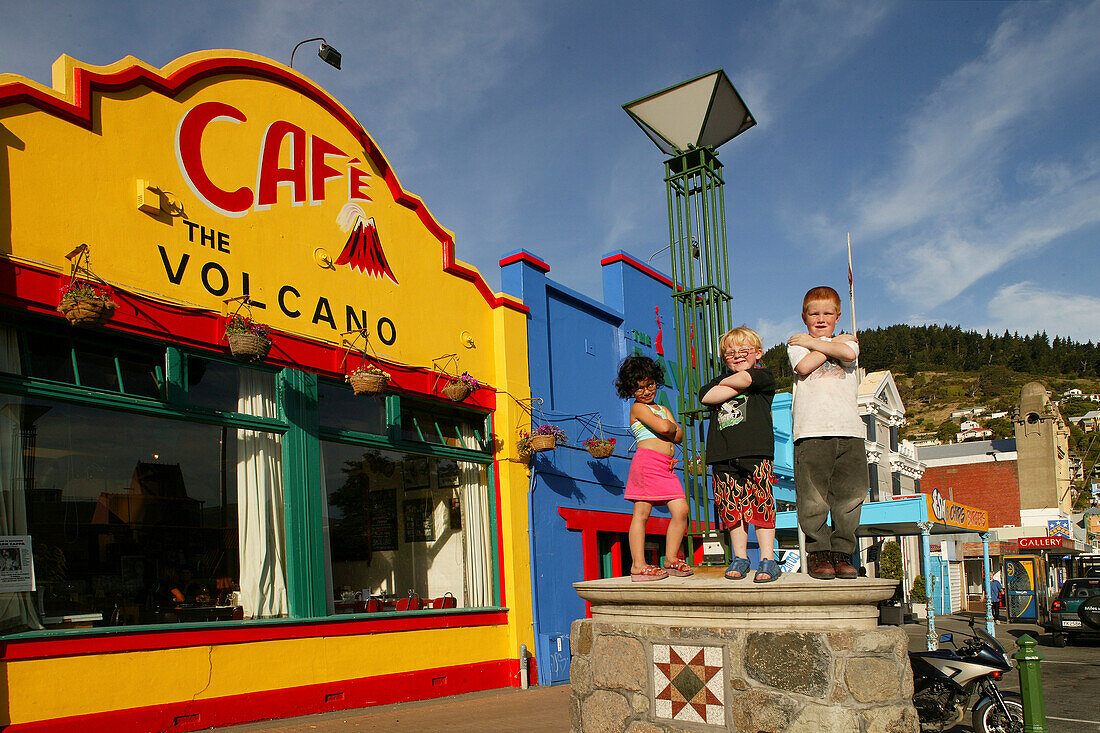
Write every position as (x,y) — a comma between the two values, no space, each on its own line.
(86,305)
(248,339)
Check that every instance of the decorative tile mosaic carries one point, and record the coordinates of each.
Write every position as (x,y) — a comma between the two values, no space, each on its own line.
(688,684)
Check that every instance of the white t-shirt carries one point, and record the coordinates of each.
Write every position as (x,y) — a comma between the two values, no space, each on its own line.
(825,399)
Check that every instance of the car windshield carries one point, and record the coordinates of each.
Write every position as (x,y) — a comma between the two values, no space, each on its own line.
(1080,588)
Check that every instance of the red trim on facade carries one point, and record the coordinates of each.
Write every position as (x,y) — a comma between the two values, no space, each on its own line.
(77,643)
(86,81)
(525,257)
(587,519)
(620,257)
(289,702)
(35,289)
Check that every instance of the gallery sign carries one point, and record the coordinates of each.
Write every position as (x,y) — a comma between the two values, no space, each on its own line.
(1044,543)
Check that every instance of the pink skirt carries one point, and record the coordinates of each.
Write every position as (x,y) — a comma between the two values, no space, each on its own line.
(651,478)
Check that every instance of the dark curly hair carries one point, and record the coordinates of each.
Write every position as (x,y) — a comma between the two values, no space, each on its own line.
(635,369)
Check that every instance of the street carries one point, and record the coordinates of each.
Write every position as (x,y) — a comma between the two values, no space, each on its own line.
(1071,676)
(1071,689)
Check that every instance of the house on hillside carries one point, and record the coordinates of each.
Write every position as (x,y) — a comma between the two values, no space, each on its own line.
(1089,422)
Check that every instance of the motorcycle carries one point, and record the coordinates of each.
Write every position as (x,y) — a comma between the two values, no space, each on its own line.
(945,681)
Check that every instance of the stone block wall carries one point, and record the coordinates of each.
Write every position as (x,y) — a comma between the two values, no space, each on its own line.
(649,678)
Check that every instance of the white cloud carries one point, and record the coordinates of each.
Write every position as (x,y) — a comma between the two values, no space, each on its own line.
(1028,308)
(964,199)
(774,332)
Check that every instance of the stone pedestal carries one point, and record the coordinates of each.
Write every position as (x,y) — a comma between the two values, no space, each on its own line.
(705,653)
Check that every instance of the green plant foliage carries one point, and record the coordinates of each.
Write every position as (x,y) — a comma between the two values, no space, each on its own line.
(918,592)
(889,561)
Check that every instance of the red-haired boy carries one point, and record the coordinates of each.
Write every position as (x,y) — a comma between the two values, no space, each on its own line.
(830,464)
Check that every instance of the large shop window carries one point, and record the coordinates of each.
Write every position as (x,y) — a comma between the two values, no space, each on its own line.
(408,530)
(130,517)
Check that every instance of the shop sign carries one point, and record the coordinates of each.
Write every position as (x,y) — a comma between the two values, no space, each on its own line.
(1040,543)
(1058,528)
(251,182)
(953,514)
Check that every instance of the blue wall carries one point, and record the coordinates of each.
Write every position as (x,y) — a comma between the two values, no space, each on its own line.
(575,345)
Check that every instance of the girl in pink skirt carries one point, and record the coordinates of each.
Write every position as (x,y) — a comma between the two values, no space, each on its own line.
(651,480)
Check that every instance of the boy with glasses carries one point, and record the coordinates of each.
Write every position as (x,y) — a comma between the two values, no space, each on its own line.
(740,449)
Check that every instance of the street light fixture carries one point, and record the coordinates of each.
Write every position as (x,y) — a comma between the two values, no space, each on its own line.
(688,122)
(327,53)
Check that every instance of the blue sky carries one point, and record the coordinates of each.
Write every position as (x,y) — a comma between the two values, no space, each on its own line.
(956,141)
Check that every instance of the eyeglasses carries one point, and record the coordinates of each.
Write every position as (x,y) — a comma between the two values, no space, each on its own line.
(647,387)
(738,352)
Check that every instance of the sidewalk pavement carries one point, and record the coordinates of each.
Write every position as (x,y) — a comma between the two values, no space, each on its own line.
(535,710)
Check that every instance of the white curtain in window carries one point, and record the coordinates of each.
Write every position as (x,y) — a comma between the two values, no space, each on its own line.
(16,609)
(260,502)
(477,548)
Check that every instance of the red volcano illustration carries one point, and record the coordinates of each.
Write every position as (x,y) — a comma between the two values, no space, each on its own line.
(363,250)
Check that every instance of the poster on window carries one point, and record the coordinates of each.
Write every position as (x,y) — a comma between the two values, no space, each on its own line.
(383,520)
(16,564)
(447,471)
(420,519)
(415,472)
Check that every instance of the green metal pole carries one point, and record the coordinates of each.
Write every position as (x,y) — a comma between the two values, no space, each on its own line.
(1031,685)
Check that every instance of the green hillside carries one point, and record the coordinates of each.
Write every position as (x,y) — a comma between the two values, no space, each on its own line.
(942,369)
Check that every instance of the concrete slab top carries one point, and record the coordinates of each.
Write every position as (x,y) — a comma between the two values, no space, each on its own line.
(795,600)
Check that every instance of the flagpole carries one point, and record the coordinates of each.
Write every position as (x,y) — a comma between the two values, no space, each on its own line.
(851,290)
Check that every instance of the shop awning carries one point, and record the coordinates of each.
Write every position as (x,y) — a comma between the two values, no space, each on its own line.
(904,515)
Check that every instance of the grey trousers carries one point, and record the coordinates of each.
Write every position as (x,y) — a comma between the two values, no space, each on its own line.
(830,476)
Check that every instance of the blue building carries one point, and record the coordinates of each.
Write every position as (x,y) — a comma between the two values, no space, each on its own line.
(578,516)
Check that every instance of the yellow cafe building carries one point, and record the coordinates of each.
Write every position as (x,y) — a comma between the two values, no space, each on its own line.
(211,511)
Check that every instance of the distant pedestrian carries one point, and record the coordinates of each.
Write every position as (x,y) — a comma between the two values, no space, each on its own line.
(996,590)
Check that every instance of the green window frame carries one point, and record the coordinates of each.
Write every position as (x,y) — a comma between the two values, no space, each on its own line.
(298,423)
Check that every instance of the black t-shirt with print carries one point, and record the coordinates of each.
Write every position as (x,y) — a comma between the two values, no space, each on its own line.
(742,427)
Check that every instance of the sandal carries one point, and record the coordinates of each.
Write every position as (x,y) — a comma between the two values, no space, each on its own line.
(649,572)
(740,566)
(679,568)
(769,568)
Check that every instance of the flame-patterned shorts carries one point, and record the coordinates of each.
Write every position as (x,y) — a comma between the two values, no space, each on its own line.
(743,492)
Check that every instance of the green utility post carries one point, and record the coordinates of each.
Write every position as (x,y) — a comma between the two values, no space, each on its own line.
(688,122)
(1031,685)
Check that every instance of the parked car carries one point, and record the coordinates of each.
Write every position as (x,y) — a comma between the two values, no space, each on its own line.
(1075,611)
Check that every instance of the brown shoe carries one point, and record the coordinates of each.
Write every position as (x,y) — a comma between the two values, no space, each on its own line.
(819,566)
(844,569)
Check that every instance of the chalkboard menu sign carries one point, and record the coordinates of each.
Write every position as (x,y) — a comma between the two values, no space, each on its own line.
(420,519)
(383,520)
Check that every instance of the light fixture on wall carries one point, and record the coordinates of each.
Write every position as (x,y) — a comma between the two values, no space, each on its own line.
(327,53)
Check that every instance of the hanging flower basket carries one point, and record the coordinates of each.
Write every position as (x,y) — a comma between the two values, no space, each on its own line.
(86,305)
(248,340)
(542,438)
(461,387)
(600,447)
(695,466)
(368,380)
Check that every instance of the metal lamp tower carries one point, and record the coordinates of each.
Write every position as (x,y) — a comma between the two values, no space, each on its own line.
(688,122)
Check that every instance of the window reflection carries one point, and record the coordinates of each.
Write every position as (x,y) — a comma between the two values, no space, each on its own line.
(406,531)
(132,519)
(336,406)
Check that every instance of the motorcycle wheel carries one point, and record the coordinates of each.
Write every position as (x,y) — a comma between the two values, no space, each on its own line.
(989,718)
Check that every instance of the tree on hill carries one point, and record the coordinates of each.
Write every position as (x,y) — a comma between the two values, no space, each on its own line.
(1076,407)
(947,431)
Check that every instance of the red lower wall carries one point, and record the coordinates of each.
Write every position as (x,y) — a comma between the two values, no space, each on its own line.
(270,704)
